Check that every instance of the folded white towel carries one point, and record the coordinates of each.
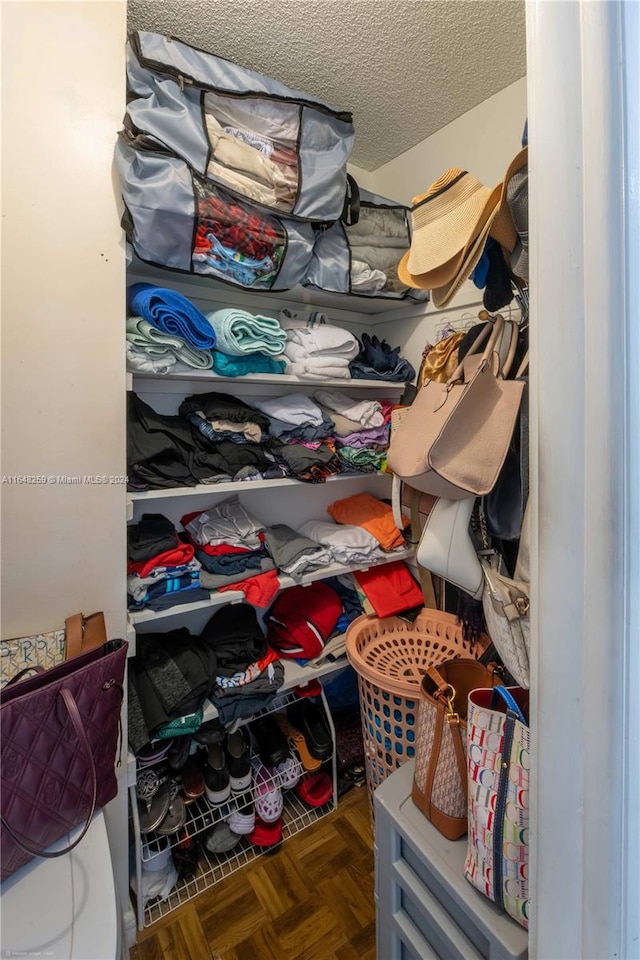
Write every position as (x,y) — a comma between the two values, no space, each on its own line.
(366,412)
(333,369)
(347,543)
(295,408)
(323,340)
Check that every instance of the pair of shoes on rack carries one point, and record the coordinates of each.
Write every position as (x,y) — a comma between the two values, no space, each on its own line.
(228,767)
(307,730)
(161,808)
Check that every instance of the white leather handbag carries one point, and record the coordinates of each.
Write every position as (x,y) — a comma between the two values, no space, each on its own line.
(445,547)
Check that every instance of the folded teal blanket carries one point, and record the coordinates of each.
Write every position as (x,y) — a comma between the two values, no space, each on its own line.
(227,366)
(145,337)
(239,332)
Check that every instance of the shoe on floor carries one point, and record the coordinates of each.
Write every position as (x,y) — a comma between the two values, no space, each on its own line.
(315,789)
(216,775)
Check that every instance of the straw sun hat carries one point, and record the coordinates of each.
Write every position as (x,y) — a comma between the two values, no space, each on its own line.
(450,226)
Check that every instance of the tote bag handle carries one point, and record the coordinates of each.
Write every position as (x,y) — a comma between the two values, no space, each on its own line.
(76,720)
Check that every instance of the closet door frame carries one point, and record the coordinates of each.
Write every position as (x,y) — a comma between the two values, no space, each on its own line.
(583,95)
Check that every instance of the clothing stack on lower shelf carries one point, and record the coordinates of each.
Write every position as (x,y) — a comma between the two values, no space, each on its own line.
(218,438)
(226,547)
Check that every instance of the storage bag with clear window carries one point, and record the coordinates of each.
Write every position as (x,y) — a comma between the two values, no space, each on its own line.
(360,253)
(248,133)
(177,219)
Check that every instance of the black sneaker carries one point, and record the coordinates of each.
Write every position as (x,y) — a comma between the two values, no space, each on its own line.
(216,775)
(272,743)
(238,760)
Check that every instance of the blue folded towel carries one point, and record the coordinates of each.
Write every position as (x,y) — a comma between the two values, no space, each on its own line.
(172,313)
(239,332)
(227,366)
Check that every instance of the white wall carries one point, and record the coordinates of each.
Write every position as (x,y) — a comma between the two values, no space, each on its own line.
(364,178)
(63,381)
(483,141)
(63,284)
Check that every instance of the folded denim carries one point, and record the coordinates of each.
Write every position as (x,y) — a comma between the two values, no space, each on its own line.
(231,563)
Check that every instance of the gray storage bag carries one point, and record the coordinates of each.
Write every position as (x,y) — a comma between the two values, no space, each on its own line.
(176,219)
(250,134)
(360,254)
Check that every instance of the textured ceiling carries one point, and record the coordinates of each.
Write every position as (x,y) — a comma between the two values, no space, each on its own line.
(405,68)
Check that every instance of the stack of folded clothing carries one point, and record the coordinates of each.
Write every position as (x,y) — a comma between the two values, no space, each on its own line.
(320,352)
(304,435)
(377,241)
(240,333)
(246,343)
(361,428)
(171,675)
(244,246)
(236,432)
(173,451)
(294,553)
(377,361)
(154,351)
(371,515)
(162,572)
(346,543)
(247,677)
(229,544)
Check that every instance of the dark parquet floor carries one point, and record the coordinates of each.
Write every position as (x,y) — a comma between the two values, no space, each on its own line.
(310,900)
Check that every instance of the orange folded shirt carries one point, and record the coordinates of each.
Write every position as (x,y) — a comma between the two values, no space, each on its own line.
(366,511)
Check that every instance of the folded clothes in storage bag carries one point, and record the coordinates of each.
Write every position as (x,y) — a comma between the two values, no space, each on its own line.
(177,219)
(361,256)
(251,134)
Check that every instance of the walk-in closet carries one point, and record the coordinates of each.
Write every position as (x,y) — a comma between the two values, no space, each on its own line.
(318,576)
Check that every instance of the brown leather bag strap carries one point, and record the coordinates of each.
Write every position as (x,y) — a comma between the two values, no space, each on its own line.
(76,720)
(84,633)
(496,325)
(36,668)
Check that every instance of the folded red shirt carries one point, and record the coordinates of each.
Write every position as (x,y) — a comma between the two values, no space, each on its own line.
(390,588)
(184,553)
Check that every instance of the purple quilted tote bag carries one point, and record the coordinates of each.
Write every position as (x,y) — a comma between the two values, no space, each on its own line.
(60,733)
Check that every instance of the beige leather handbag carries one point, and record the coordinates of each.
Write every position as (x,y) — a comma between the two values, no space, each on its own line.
(454,438)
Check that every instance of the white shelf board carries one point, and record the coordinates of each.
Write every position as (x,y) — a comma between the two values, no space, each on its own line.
(366,310)
(267,379)
(217,599)
(238,486)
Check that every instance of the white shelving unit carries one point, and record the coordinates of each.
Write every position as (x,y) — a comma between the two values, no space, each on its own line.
(202,816)
(272,501)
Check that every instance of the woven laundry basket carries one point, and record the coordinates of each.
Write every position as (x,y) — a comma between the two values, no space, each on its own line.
(390,657)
